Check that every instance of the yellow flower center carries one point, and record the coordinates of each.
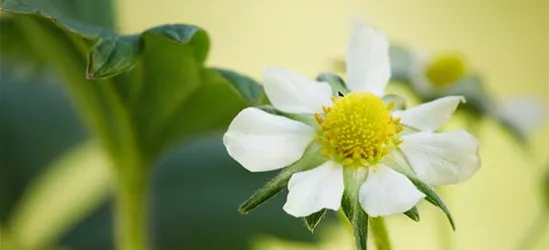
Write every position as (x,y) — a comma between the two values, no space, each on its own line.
(358,129)
(445,70)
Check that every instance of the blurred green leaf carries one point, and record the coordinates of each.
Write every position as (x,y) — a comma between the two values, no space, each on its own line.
(312,220)
(433,198)
(41,125)
(310,159)
(37,124)
(145,93)
(97,12)
(145,90)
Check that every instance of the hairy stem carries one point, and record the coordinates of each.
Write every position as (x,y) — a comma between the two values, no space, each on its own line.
(132,212)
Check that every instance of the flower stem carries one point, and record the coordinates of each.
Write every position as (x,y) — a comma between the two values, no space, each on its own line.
(535,232)
(380,233)
(131,213)
(445,233)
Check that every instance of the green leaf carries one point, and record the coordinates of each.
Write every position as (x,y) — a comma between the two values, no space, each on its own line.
(413,214)
(351,206)
(185,34)
(251,91)
(228,102)
(336,83)
(312,220)
(97,12)
(170,74)
(310,159)
(86,31)
(112,55)
(145,92)
(433,198)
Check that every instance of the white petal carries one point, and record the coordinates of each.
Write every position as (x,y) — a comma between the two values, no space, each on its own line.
(260,141)
(387,192)
(315,189)
(442,158)
(293,93)
(430,116)
(367,62)
(523,114)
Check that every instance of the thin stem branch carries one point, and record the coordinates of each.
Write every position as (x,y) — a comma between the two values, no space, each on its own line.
(380,233)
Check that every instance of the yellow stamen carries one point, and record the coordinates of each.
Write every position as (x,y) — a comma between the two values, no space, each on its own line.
(391,106)
(318,118)
(358,130)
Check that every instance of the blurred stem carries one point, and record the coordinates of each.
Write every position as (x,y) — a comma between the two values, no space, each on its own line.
(444,232)
(132,210)
(344,221)
(380,233)
(535,232)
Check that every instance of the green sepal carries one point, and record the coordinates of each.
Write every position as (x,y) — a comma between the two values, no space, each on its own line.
(304,118)
(351,206)
(413,214)
(433,198)
(310,159)
(312,220)
(336,83)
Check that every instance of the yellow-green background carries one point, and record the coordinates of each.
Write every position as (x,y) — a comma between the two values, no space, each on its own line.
(506,40)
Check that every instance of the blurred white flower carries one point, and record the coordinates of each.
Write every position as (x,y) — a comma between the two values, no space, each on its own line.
(523,114)
(361,137)
(434,76)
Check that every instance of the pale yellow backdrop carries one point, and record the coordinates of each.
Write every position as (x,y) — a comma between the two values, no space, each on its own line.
(506,40)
